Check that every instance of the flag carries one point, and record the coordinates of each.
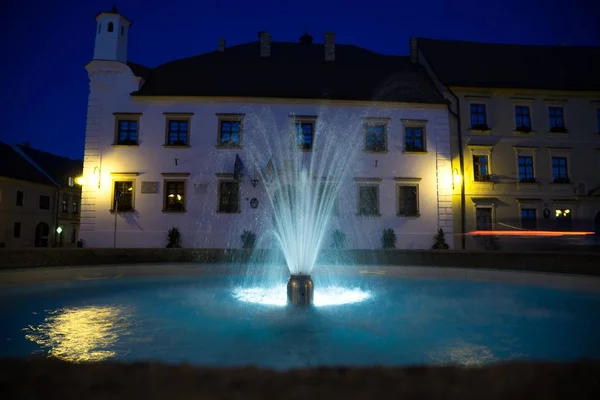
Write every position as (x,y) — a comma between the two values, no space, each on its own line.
(238,168)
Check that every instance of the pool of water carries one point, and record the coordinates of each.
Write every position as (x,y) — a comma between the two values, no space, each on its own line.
(392,321)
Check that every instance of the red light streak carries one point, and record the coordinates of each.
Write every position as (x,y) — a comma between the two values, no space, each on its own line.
(528,233)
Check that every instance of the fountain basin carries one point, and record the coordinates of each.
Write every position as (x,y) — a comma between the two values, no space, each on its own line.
(191,313)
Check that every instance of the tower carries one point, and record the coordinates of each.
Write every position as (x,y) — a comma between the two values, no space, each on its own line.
(112,31)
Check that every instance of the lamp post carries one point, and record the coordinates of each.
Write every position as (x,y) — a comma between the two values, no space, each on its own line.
(59,231)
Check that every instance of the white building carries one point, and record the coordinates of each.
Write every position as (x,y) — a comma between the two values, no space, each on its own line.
(168,137)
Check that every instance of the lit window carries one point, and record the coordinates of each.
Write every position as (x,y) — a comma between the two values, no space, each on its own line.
(177,134)
(74,207)
(64,206)
(230,133)
(123,196)
(556,117)
(229,197)
(564,221)
(375,138)
(560,174)
(408,200)
(414,139)
(526,169)
(529,218)
(368,200)
(127,132)
(304,134)
(523,118)
(481,168)
(175,196)
(478,117)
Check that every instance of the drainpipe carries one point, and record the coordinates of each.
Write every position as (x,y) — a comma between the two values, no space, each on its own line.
(461,158)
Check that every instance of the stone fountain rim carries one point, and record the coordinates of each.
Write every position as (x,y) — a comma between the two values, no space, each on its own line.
(68,274)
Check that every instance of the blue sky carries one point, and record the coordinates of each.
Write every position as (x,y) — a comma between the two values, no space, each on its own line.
(47,45)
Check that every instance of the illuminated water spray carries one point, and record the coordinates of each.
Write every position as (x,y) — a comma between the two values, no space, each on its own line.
(303,187)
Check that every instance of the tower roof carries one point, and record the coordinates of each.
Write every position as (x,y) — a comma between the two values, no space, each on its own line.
(114,10)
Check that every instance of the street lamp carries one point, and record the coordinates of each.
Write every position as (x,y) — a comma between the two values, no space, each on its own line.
(456,178)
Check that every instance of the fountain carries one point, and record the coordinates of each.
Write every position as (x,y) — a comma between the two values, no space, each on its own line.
(302,192)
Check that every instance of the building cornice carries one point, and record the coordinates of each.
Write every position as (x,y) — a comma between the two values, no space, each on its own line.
(520,92)
(277,101)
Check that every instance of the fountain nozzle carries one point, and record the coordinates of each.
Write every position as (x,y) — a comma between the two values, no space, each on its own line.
(300,290)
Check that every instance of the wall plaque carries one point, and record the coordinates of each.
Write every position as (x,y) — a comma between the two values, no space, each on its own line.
(149,187)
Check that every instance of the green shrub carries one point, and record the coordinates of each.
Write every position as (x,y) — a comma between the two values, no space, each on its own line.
(388,239)
(174,238)
(248,240)
(440,241)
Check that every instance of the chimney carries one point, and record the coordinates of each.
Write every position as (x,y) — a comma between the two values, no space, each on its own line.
(414,51)
(265,44)
(329,46)
(221,44)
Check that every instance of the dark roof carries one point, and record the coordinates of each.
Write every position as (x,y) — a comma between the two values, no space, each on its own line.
(15,166)
(513,66)
(140,70)
(59,168)
(294,70)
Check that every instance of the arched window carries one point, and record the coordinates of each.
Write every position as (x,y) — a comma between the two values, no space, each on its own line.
(122,31)
(110,27)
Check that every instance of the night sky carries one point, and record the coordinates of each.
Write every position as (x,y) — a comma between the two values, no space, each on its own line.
(45,46)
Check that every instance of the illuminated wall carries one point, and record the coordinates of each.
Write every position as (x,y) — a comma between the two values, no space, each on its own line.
(199,164)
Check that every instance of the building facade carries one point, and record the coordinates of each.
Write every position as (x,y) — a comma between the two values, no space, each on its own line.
(162,143)
(526,137)
(30,195)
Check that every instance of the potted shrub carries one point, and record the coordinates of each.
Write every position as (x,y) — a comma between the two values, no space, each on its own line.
(339,240)
(248,240)
(388,239)
(174,238)
(439,241)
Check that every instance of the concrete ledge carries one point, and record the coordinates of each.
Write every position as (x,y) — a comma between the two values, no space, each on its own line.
(41,378)
(550,262)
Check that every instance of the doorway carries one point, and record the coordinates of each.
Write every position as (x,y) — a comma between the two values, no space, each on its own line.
(42,231)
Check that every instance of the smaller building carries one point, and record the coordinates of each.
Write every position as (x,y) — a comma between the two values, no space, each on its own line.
(525,129)
(39,198)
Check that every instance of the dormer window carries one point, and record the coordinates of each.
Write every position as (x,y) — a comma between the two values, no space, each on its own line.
(110,27)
